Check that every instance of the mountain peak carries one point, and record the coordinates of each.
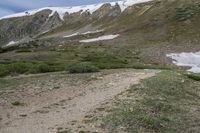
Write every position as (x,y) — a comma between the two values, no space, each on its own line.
(84,8)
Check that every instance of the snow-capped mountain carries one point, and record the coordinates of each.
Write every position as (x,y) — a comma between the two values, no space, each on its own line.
(33,23)
(69,10)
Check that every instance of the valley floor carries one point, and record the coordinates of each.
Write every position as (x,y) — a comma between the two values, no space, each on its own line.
(59,102)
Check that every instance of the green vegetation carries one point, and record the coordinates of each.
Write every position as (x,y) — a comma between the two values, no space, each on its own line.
(188,12)
(1,50)
(164,103)
(193,76)
(75,59)
(3,71)
(148,66)
(24,68)
(23,50)
(63,132)
(82,68)
(7,83)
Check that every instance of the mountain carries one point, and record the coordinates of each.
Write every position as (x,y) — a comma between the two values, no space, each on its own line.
(128,33)
(34,22)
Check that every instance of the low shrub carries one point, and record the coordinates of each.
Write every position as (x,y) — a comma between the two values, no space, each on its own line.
(82,68)
(148,66)
(188,12)
(3,71)
(1,50)
(40,68)
(195,77)
(23,67)
(23,50)
(105,61)
(18,68)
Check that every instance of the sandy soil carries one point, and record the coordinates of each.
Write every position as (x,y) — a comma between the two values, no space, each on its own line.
(52,101)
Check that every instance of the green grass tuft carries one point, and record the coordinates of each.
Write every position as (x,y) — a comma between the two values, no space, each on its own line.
(82,68)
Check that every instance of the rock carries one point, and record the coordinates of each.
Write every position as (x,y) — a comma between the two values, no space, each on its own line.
(23,115)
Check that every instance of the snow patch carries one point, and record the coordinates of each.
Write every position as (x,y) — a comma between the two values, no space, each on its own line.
(127,3)
(91,32)
(89,8)
(101,38)
(187,59)
(85,33)
(45,32)
(74,34)
(11,43)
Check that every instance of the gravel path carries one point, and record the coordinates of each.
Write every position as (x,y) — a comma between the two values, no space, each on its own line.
(69,100)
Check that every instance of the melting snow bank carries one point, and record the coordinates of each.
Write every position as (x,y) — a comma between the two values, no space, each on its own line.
(89,8)
(85,33)
(101,38)
(187,59)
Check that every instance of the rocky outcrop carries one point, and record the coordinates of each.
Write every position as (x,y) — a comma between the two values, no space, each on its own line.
(17,28)
(20,27)
(107,11)
(77,17)
(51,23)
(104,11)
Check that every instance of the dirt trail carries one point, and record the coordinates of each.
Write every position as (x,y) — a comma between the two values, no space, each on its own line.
(47,110)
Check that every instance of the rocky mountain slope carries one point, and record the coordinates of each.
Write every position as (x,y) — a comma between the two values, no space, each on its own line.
(32,23)
(157,16)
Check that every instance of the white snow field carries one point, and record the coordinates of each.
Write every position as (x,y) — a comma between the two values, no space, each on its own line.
(84,33)
(100,38)
(89,8)
(187,59)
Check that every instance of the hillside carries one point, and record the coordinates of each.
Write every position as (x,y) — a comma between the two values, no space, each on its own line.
(148,31)
(54,60)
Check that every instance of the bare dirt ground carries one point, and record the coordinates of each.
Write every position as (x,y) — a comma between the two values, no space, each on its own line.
(44,103)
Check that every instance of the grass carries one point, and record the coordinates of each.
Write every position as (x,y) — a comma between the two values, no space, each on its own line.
(7,83)
(136,34)
(23,50)
(1,50)
(164,103)
(188,12)
(24,68)
(65,131)
(82,57)
(82,68)
(149,66)
(193,76)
